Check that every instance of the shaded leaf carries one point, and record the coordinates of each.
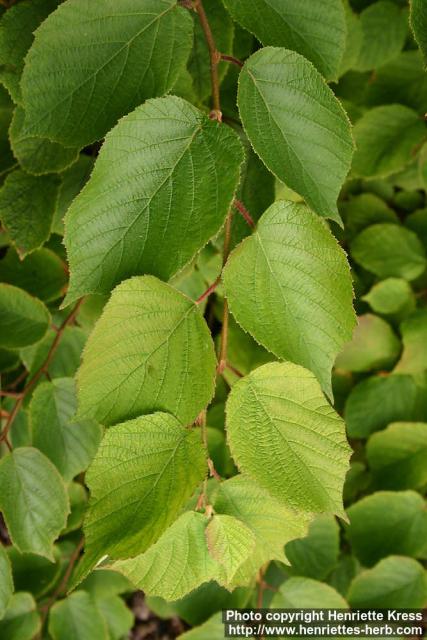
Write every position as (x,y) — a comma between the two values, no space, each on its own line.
(21,621)
(386,523)
(418,21)
(23,319)
(69,444)
(38,156)
(398,456)
(305,592)
(389,251)
(6,582)
(42,273)
(394,582)
(77,616)
(374,345)
(317,31)
(386,138)
(384,29)
(33,500)
(377,401)
(315,555)
(27,204)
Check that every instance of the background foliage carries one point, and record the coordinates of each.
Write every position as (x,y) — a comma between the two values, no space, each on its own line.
(193,197)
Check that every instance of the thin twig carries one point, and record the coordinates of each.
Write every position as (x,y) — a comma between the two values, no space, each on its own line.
(215,58)
(208,291)
(244,212)
(232,59)
(41,371)
(236,372)
(62,587)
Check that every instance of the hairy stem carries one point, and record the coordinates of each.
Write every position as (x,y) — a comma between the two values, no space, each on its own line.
(232,59)
(244,212)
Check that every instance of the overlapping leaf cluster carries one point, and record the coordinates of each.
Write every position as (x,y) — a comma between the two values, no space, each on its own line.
(213,280)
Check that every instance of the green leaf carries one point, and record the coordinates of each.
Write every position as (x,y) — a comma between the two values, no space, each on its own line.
(135,50)
(384,29)
(212,629)
(70,445)
(418,22)
(6,582)
(243,353)
(165,202)
(103,583)
(387,523)
(414,335)
(374,345)
(272,523)
(132,501)
(33,500)
(397,456)
(118,618)
(305,592)
(42,273)
(177,564)
(391,297)
(66,359)
(315,555)
(78,503)
(21,621)
(72,182)
(77,616)
(386,138)
(400,81)
(23,319)
(16,37)
(296,125)
(199,63)
(7,161)
(230,543)
(363,210)
(35,574)
(317,31)
(353,42)
(38,155)
(389,251)
(283,433)
(377,401)
(292,271)
(151,350)
(394,582)
(27,204)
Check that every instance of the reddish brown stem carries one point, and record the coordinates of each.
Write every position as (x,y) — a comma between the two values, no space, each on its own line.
(232,59)
(208,291)
(215,58)
(244,212)
(61,589)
